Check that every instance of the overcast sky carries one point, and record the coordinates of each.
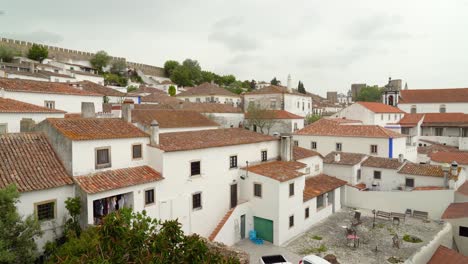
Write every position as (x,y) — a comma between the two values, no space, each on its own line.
(326,44)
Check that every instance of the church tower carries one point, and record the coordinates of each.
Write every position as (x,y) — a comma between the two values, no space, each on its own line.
(391,93)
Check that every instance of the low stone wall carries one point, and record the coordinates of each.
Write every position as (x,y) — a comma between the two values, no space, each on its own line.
(444,238)
(224,250)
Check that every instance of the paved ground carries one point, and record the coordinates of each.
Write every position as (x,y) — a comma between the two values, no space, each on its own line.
(256,251)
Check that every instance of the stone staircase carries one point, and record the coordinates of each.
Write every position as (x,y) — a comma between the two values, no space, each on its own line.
(221,224)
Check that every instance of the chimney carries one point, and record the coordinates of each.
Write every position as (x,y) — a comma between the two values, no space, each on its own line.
(27,125)
(401,158)
(337,157)
(127,112)
(286,148)
(31,67)
(289,83)
(87,110)
(154,130)
(454,168)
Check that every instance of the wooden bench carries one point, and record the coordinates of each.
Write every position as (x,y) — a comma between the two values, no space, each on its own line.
(420,215)
(399,215)
(383,214)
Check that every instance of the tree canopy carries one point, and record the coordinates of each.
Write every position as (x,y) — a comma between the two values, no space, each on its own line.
(172,90)
(100,60)
(16,233)
(118,67)
(38,53)
(7,53)
(300,87)
(312,118)
(260,117)
(169,66)
(275,81)
(370,94)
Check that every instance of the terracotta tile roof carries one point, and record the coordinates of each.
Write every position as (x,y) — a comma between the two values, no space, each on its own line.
(206,89)
(25,73)
(384,163)
(360,186)
(428,188)
(210,107)
(445,119)
(454,95)
(422,170)
(380,107)
(172,118)
(18,85)
(100,89)
(147,89)
(463,189)
(456,210)
(13,106)
(160,98)
(85,73)
(53,74)
(29,161)
(94,128)
(212,138)
(346,158)
(278,170)
(344,120)
(302,153)
(444,255)
(72,115)
(448,157)
(435,147)
(325,127)
(410,120)
(116,179)
(320,184)
(275,89)
(152,107)
(278,114)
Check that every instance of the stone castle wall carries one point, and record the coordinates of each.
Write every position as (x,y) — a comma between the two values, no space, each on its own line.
(62,54)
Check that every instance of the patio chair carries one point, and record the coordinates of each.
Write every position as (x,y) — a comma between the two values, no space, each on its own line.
(253,237)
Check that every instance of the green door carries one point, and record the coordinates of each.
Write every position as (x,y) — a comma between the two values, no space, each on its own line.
(264,228)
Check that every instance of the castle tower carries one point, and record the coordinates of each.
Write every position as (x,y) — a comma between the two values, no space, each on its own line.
(391,92)
(289,83)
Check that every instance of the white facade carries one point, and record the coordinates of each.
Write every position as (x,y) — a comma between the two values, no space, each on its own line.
(220,99)
(18,75)
(226,120)
(434,107)
(359,112)
(297,104)
(12,120)
(347,173)
(65,102)
(87,77)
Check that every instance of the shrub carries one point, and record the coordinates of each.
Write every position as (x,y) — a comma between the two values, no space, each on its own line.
(411,239)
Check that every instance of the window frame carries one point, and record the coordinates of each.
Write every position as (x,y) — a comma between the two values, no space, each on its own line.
(340,149)
(262,156)
(292,190)
(296,143)
(133,151)
(411,179)
(233,162)
(201,201)
(379,173)
(463,231)
(104,165)
(437,130)
(46,102)
(154,197)
(313,145)
(6,127)
(199,168)
(255,184)
(320,198)
(307,212)
(36,209)
(291,223)
(372,149)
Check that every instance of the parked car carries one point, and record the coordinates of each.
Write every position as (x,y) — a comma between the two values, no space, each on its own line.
(313,259)
(273,259)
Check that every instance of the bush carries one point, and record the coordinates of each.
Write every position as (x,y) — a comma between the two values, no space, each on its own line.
(411,239)
(317,237)
(38,53)
(7,54)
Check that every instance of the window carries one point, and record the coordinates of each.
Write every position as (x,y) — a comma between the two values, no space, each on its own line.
(463,231)
(187,100)
(295,127)
(291,221)
(207,99)
(258,190)
(389,117)
(3,128)
(273,104)
(198,100)
(232,162)
(373,149)
(442,109)
(413,109)
(405,130)
(377,175)
(291,189)
(49,104)
(303,106)
(313,145)
(439,131)
(149,197)
(381,117)
(196,201)
(320,201)
(136,151)
(264,155)
(330,197)
(306,213)
(464,132)
(45,210)
(296,143)
(103,159)
(358,174)
(317,167)
(195,168)
(409,182)
(307,170)
(339,147)
(298,104)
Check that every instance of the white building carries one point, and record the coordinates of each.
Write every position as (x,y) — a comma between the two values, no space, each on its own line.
(12,112)
(209,93)
(44,189)
(457,215)
(344,166)
(371,113)
(274,122)
(327,135)
(112,96)
(434,100)
(80,76)
(52,95)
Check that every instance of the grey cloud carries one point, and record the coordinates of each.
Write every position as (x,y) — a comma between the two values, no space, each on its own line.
(378,27)
(40,36)
(229,32)
(2,12)
(338,59)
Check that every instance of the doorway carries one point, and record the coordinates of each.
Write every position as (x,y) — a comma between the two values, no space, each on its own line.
(233,195)
(242,227)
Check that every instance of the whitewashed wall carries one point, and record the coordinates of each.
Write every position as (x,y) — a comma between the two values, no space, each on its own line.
(435,107)
(230,233)
(343,172)
(221,99)
(297,104)
(460,241)
(424,254)
(13,119)
(226,120)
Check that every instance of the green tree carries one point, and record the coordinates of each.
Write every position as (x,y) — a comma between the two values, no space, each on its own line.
(194,69)
(260,117)
(118,67)
(274,81)
(228,79)
(181,76)
(114,79)
(131,88)
(300,88)
(207,76)
(312,118)
(127,237)
(370,94)
(253,84)
(172,90)
(100,60)
(7,53)
(38,53)
(16,234)
(169,66)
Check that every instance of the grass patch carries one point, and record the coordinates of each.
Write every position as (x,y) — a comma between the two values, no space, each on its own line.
(391,231)
(380,225)
(411,239)
(317,237)
(394,260)
(316,250)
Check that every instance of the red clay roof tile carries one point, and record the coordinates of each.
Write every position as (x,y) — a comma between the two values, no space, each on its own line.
(172,118)
(100,89)
(456,210)
(302,153)
(346,158)
(448,157)
(17,85)
(444,255)
(422,170)
(384,163)
(278,170)
(454,95)
(380,107)
(463,189)
(206,89)
(13,106)
(320,184)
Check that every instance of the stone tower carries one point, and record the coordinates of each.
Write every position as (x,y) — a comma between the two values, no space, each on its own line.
(391,92)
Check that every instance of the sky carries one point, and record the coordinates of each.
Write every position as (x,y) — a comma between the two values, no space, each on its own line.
(328,45)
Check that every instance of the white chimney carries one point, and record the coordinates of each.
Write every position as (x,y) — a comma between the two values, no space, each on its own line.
(337,157)
(127,112)
(154,130)
(454,168)
(289,83)
(87,110)
(286,151)
(401,158)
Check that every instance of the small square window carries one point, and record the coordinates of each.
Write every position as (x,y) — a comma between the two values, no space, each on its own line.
(149,197)
(339,146)
(373,149)
(358,174)
(196,201)
(103,159)
(258,190)
(45,211)
(313,145)
(3,128)
(291,189)
(136,151)
(320,201)
(291,221)
(195,168)
(409,182)
(306,213)
(264,155)
(377,175)
(463,231)
(232,162)
(296,143)
(49,104)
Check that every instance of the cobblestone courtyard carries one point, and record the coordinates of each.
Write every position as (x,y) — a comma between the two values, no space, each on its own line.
(328,237)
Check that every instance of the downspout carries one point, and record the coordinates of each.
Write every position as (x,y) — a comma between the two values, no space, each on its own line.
(390,147)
